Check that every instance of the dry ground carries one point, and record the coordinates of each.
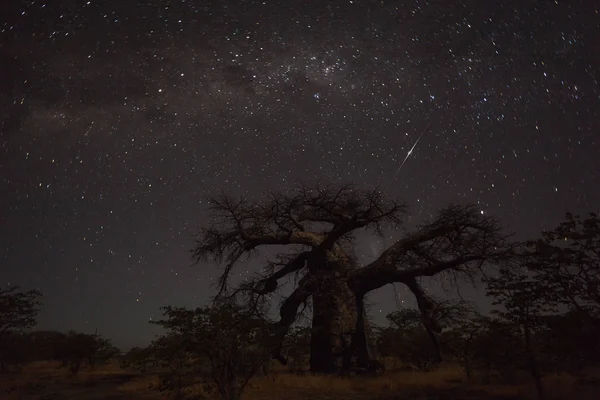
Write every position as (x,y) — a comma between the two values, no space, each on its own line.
(46,381)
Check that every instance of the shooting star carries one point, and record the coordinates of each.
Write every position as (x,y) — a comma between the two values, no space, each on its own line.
(406,158)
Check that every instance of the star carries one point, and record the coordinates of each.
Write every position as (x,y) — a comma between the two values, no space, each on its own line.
(120,119)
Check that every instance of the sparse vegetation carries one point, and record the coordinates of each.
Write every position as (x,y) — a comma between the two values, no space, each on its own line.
(315,227)
(229,344)
(540,340)
(18,312)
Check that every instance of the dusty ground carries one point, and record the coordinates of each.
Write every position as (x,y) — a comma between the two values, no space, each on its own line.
(44,381)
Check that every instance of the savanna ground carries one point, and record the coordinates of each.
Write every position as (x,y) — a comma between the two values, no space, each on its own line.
(45,380)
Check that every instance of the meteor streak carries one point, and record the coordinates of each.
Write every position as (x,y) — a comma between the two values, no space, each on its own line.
(406,158)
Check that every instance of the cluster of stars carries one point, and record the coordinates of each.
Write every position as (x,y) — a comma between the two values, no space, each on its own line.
(120,118)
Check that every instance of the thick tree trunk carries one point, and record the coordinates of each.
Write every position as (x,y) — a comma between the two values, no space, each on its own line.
(334,314)
(362,339)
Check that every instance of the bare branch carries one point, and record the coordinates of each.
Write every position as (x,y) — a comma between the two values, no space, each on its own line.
(240,227)
(460,240)
(288,312)
(369,210)
(268,284)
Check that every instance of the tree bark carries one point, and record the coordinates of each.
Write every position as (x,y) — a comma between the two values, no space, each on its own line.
(362,338)
(427,307)
(334,314)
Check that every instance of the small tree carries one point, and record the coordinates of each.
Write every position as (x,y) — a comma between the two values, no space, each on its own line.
(18,312)
(493,345)
(76,350)
(171,350)
(296,346)
(566,261)
(423,343)
(46,345)
(234,341)
(563,267)
(406,339)
(462,336)
(524,304)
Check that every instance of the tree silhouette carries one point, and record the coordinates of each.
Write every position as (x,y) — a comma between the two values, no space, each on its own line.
(407,338)
(566,261)
(316,227)
(76,350)
(18,312)
(563,269)
(297,347)
(492,345)
(172,351)
(18,309)
(231,340)
(524,304)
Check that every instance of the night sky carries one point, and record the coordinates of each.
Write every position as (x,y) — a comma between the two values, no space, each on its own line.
(119,118)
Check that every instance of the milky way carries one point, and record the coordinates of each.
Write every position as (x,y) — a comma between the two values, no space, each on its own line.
(119,119)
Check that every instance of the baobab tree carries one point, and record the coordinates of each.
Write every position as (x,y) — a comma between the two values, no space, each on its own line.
(316,226)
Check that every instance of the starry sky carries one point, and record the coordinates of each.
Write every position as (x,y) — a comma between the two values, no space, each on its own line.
(119,118)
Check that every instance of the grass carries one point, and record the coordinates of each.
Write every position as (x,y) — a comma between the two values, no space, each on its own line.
(45,380)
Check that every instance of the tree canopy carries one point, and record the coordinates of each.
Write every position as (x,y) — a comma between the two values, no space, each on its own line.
(317,225)
(18,309)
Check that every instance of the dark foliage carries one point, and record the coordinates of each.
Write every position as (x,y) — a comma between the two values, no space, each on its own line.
(316,226)
(138,358)
(296,347)
(566,263)
(18,312)
(77,350)
(229,342)
(560,271)
(18,309)
(407,338)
